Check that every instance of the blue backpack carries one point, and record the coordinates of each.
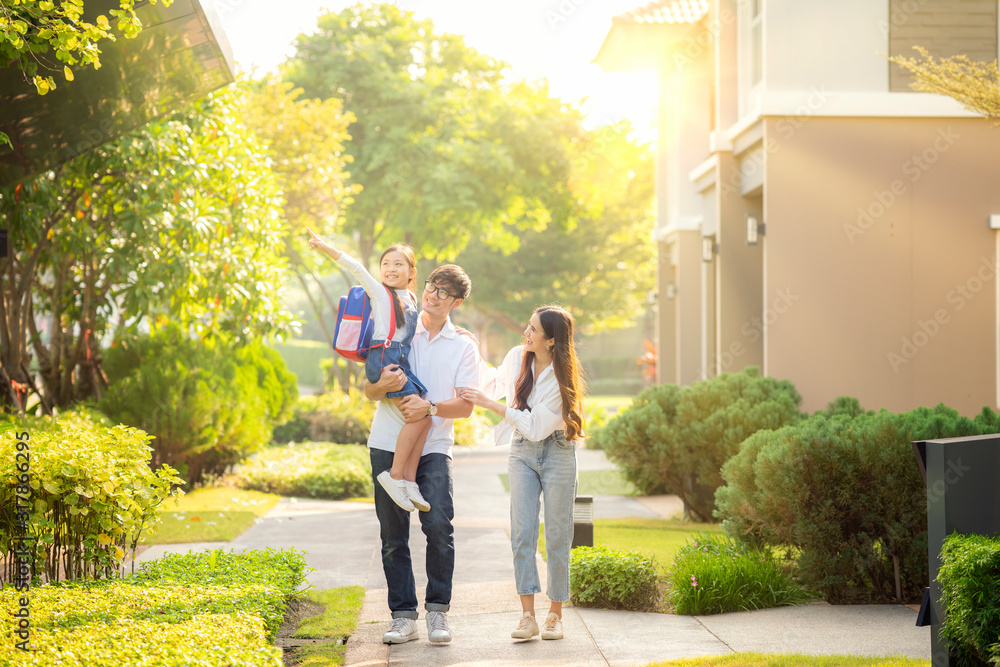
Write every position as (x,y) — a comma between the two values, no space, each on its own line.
(352,337)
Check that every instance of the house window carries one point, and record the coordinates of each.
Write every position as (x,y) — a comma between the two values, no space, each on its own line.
(943,27)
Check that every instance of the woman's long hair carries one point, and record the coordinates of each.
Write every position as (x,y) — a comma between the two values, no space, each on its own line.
(558,325)
(407,252)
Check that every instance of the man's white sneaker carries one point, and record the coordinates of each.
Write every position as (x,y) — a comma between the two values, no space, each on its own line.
(396,488)
(413,493)
(526,627)
(437,627)
(401,631)
(552,628)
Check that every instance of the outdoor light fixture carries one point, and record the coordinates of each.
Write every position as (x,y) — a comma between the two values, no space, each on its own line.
(708,248)
(755,229)
(995,221)
(583,522)
(671,291)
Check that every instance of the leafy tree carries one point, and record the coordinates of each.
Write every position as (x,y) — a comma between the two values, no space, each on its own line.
(599,265)
(30,29)
(975,84)
(305,139)
(179,221)
(442,152)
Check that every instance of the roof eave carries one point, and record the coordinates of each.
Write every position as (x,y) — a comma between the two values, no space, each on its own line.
(642,47)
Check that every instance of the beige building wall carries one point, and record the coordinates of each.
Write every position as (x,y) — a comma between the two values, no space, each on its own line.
(665,337)
(739,336)
(686,255)
(879,263)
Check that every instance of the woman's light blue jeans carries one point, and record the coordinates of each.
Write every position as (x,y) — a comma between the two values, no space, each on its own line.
(545,467)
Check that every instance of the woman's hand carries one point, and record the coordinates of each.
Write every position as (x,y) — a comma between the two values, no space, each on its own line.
(475,396)
(466,332)
(316,243)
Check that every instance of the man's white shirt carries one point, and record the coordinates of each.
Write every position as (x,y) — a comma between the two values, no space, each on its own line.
(444,364)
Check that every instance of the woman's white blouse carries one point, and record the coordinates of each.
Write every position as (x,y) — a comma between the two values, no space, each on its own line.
(545,401)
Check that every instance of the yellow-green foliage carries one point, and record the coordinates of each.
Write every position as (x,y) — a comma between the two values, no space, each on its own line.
(206,608)
(972,83)
(311,469)
(474,430)
(67,607)
(209,639)
(93,493)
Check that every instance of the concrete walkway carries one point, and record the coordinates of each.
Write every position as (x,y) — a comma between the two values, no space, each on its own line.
(342,543)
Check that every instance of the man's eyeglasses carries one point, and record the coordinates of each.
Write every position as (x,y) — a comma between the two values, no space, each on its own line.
(442,293)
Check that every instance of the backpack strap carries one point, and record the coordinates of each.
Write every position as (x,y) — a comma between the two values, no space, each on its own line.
(392,315)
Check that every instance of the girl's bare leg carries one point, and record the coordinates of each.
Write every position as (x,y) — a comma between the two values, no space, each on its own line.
(411,437)
(528,603)
(410,467)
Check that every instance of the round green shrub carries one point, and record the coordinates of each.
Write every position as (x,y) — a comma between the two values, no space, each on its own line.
(208,403)
(970,591)
(334,416)
(846,491)
(610,579)
(308,470)
(675,439)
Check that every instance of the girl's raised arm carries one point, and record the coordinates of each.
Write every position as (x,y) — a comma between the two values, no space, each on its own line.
(316,243)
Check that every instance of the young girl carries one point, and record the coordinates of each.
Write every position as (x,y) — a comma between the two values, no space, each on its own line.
(398,271)
(542,421)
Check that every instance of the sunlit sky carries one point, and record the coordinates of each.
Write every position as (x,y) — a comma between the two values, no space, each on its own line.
(555,39)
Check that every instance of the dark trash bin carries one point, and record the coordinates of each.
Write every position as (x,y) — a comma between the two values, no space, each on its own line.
(963,496)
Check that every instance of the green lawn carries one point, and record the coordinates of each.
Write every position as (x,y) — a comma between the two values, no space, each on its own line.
(659,538)
(211,515)
(791,660)
(341,608)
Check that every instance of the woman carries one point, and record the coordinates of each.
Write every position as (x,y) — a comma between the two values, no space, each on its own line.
(544,391)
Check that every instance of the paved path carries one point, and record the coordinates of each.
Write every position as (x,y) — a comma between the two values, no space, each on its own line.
(342,543)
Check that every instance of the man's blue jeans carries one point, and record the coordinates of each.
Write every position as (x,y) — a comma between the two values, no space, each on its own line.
(435,481)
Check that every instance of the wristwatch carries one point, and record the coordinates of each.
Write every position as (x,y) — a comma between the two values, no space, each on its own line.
(432,409)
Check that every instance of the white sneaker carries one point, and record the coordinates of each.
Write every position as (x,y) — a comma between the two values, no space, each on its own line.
(401,631)
(526,627)
(413,493)
(552,628)
(396,488)
(437,627)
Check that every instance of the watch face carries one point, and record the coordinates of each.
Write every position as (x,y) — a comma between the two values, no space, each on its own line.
(432,409)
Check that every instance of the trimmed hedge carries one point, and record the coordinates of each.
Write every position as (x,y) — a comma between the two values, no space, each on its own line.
(610,579)
(847,492)
(336,416)
(346,417)
(208,608)
(311,469)
(675,439)
(970,588)
(93,494)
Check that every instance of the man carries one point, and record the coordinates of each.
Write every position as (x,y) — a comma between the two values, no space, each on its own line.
(445,361)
